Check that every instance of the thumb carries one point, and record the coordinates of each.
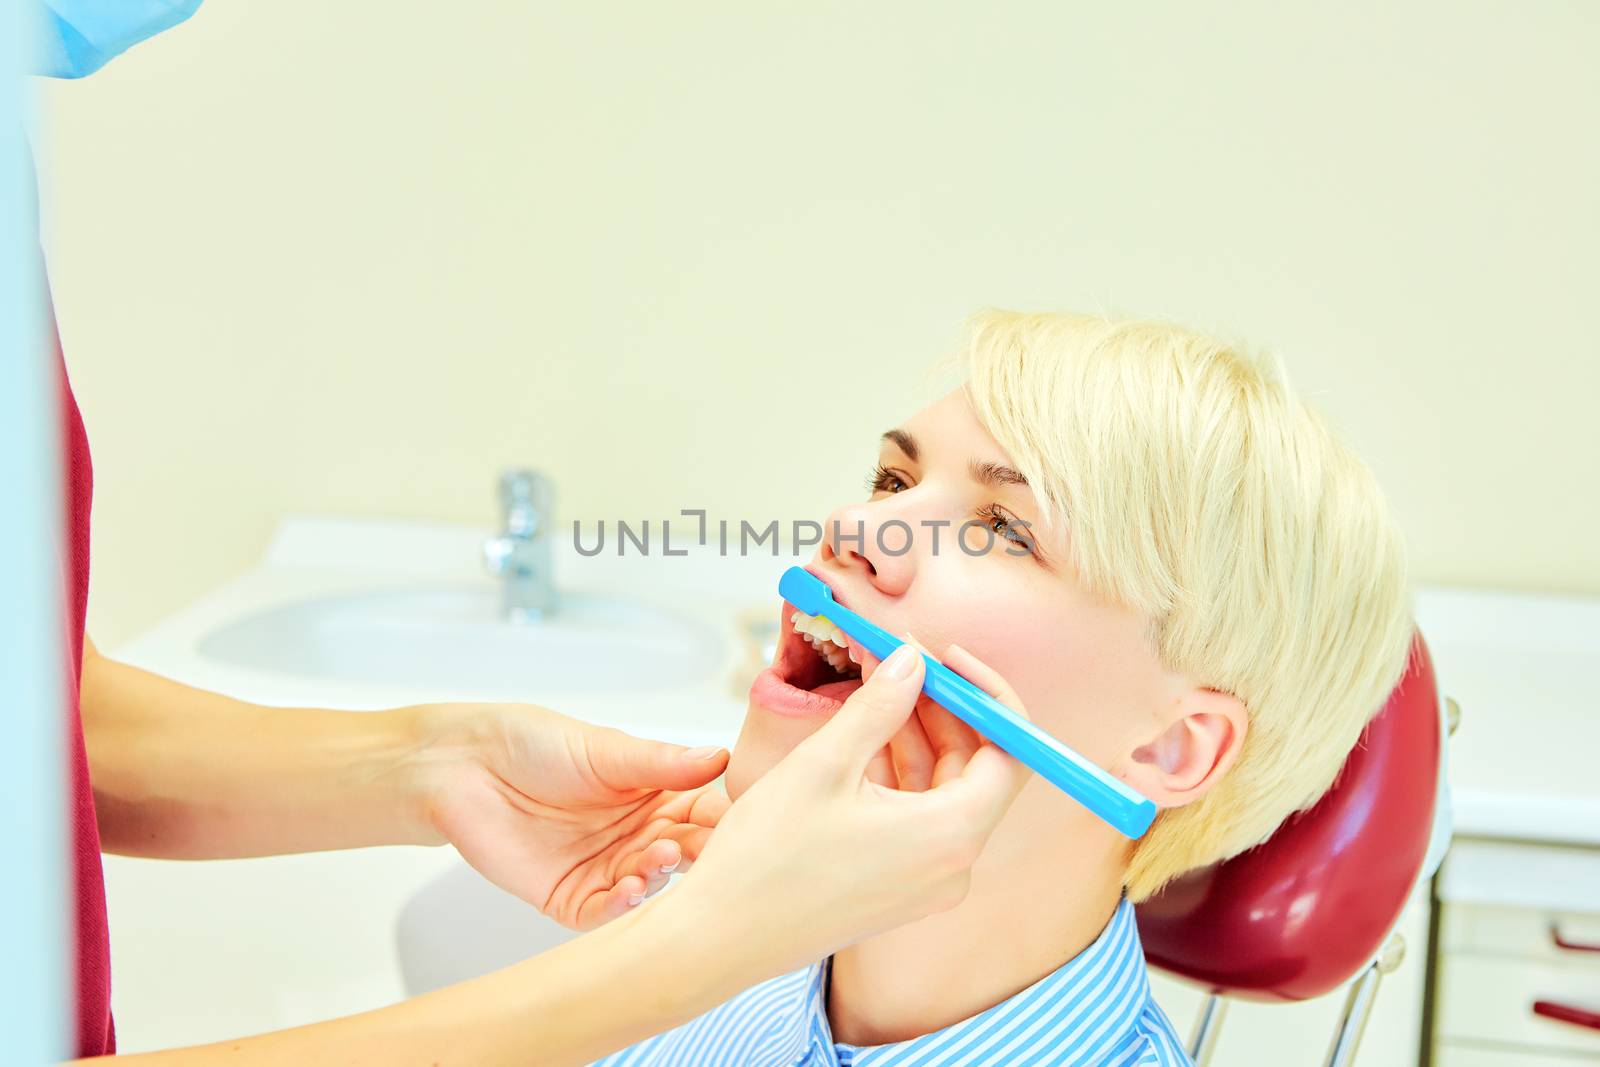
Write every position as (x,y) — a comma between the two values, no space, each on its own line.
(876,711)
(991,779)
(623,761)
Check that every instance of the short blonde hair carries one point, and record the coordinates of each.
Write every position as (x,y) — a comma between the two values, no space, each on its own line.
(1201,492)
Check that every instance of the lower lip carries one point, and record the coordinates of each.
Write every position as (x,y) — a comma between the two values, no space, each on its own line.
(778,696)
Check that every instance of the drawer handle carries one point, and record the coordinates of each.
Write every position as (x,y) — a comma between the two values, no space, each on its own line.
(1571,946)
(1567,1013)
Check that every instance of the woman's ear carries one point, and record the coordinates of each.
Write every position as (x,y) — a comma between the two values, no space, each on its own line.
(1193,751)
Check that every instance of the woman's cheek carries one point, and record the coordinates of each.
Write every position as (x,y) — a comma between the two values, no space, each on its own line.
(1060,682)
(1026,657)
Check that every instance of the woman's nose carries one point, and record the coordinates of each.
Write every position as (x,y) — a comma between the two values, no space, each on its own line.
(873,540)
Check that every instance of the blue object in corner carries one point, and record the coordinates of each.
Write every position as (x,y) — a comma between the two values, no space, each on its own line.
(75,38)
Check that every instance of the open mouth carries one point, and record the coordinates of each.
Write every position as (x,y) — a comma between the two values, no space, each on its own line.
(816,668)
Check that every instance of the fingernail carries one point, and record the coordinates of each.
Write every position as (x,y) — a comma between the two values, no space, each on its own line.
(706,752)
(635,900)
(914,643)
(900,662)
(668,868)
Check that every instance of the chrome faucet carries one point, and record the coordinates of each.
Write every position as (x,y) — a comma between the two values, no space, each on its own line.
(522,555)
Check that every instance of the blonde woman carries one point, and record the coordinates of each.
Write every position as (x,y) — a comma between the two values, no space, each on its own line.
(1184,576)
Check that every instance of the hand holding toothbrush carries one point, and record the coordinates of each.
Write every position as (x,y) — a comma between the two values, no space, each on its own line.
(585,822)
(817,854)
(579,819)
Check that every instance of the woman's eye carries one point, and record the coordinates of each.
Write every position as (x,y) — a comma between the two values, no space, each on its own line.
(1007,526)
(884,480)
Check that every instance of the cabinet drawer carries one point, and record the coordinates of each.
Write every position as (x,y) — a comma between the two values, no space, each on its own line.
(1450,1054)
(1526,932)
(1490,998)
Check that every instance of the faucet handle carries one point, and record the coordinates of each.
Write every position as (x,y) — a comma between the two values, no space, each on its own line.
(527,498)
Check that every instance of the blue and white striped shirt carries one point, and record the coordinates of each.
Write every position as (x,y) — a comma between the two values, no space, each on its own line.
(1095,1010)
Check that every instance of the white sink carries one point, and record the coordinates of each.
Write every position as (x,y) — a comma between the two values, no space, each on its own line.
(452,637)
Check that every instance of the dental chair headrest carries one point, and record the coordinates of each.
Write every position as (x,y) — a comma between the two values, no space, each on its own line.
(1305,911)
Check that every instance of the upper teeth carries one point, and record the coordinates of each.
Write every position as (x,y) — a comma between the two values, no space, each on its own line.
(827,639)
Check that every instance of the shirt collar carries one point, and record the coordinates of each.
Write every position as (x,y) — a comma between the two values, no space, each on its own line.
(1090,1002)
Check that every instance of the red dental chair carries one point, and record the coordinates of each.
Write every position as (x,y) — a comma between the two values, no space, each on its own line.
(1314,906)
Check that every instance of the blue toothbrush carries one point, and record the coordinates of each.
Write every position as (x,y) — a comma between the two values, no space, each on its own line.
(1129,813)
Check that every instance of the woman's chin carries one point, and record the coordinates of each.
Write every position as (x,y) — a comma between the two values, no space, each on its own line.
(744,769)
(762,743)
(750,760)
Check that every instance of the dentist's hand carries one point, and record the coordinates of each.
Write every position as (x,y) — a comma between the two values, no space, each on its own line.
(816,855)
(580,821)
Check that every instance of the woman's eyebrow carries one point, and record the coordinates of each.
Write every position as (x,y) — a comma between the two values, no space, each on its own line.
(903,441)
(988,473)
(984,472)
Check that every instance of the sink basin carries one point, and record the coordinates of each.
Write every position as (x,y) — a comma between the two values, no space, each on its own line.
(455,637)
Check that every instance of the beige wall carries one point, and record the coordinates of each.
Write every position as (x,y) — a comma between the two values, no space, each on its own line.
(354,257)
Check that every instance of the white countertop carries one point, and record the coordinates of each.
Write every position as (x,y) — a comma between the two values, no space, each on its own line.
(314,558)
(1524,668)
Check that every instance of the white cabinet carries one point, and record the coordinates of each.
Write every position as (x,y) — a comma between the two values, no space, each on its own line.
(1514,919)
(1450,1054)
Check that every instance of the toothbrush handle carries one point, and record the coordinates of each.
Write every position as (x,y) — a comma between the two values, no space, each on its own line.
(1129,813)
